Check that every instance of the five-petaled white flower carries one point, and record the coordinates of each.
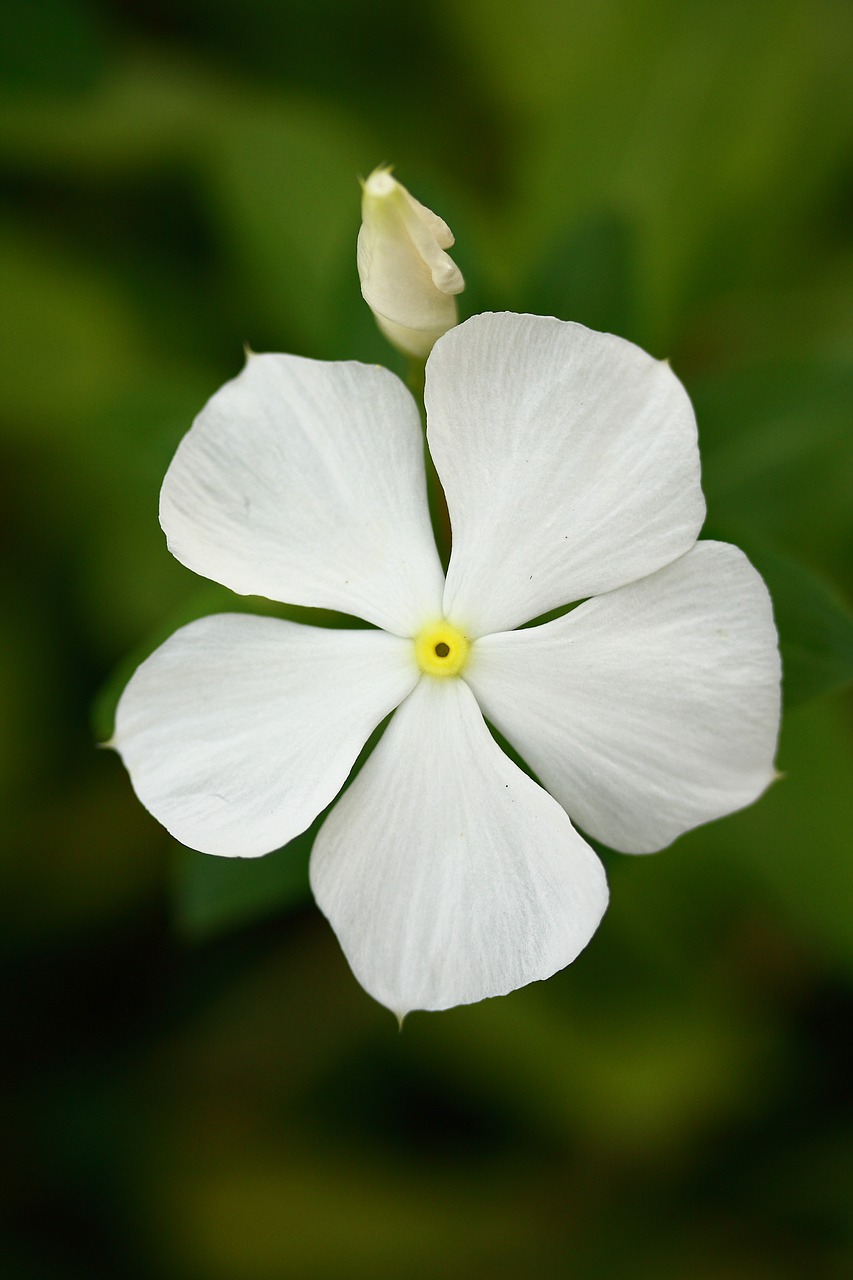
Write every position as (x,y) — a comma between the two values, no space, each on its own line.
(570,464)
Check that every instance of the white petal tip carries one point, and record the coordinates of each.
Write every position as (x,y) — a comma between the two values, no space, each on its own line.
(380,182)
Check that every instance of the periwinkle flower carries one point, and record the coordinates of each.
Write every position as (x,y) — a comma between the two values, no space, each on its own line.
(570,464)
(407,278)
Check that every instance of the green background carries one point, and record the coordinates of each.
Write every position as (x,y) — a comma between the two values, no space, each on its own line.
(195,1088)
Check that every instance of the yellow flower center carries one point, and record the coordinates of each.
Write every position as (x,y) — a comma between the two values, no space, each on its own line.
(441,649)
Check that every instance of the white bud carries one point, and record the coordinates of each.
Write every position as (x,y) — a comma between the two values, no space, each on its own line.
(407,280)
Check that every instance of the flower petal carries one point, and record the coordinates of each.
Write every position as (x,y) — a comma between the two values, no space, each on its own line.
(239,730)
(447,874)
(303,481)
(569,460)
(650,710)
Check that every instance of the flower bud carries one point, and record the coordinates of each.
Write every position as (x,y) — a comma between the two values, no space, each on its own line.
(407,280)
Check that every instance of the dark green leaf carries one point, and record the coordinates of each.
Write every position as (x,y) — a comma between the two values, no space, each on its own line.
(588,275)
(815,626)
(212,895)
(55,47)
(777,460)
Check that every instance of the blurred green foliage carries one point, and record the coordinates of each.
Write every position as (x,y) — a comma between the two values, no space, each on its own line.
(219,1100)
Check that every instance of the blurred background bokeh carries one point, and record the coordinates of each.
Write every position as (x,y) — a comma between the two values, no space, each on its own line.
(195,1088)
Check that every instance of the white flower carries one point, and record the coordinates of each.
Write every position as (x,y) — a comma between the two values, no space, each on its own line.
(407,279)
(570,464)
